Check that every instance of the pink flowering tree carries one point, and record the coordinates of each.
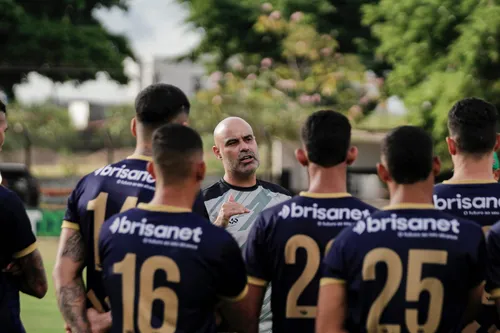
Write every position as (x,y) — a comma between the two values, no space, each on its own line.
(275,96)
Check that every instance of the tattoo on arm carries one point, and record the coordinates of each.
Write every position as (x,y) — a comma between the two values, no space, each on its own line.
(71,296)
(33,279)
(74,248)
(72,304)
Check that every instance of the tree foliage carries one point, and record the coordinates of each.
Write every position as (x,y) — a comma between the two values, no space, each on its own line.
(59,39)
(274,95)
(227,27)
(441,51)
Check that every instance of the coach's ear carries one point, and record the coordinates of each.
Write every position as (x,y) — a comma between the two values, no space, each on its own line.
(301,156)
(436,166)
(133,127)
(151,169)
(352,154)
(383,173)
(452,145)
(216,151)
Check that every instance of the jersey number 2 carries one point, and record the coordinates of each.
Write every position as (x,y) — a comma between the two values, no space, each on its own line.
(414,286)
(147,295)
(312,264)
(98,205)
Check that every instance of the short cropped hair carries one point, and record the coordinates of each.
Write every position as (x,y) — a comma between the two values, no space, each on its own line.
(174,146)
(3,108)
(159,104)
(408,154)
(472,122)
(326,135)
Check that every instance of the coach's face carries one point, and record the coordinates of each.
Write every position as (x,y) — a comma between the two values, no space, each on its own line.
(237,148)
(3,128)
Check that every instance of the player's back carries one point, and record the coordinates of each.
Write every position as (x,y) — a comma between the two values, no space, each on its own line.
(164,268)
(478,201)
(99,195)
(286,247)
(408,269)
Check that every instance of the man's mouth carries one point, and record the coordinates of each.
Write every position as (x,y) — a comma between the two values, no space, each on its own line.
(247,158)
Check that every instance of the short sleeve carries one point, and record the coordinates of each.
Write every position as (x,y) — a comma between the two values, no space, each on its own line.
(493,252)
(231,277)
(256,255)
(21,239)
(71,217)
(334,268)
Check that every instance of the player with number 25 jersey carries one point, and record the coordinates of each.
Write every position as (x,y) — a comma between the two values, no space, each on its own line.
(408,267)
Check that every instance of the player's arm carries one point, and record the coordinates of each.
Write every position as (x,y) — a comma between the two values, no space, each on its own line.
(479,263)
(67,274)
(332,297)
(257,264)
(493,265)
(68,280)
(27,265)
(330,315)
(232,288)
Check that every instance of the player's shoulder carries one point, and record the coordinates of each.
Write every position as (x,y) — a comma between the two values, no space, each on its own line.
(215,190)
(274,188)
(8,197)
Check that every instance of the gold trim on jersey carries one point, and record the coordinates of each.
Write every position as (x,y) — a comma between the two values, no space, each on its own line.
(70,225)
(409,206)
(95,301)
(163,208)
(495,293)
(256,281)
(326,281)
(324,195)
(237,298)
(26,251)
(470,181)
(140,157)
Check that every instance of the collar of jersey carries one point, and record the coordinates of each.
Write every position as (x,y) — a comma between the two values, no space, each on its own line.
(470,181)
(163,208)
(409,206)
(140,157)
(324,195)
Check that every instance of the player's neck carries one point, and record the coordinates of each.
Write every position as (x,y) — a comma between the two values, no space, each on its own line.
(235,180)
(327,180)
(143,149)
(419,193)
(469,168)
(177,196)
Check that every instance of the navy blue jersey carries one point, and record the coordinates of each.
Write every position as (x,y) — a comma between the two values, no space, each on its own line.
(99,195)
(165,269)
(407,268)
(493,248)
(16,240)
(478,201)
(285,247)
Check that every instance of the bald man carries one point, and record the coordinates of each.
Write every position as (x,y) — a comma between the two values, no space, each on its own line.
(235,201)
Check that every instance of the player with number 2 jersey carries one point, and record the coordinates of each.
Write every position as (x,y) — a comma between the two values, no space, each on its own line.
(288,241)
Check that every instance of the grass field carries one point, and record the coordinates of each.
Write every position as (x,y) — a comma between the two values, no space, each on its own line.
(43,316)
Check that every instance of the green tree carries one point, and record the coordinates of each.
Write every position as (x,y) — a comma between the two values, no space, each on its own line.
(441,51)
(276,95)
(227,27)
(59,39)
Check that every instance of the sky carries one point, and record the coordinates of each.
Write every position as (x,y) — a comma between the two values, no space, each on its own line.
(154,28)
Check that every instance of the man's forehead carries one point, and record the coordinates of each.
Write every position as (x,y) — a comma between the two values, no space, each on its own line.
(236,134)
